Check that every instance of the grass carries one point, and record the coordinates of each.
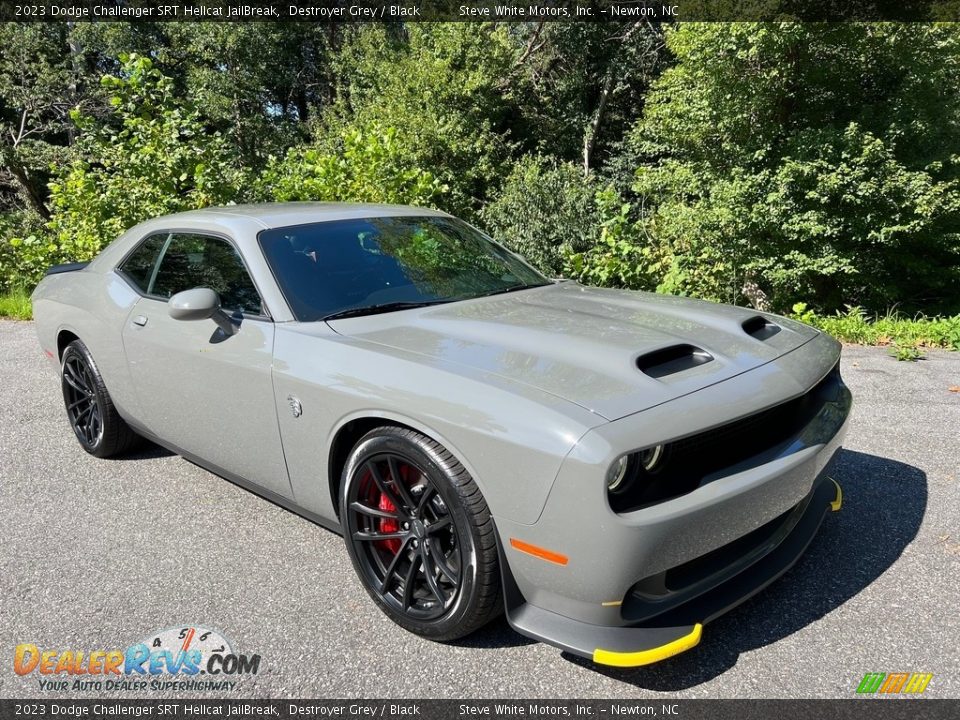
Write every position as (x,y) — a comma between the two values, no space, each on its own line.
(15,304)
(906,337)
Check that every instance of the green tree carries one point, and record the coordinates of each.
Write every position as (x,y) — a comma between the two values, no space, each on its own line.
(256,83)
(439,85)
(582,85)
(357,167)
(545,211)
(152,156)
(38,86)
(819,161)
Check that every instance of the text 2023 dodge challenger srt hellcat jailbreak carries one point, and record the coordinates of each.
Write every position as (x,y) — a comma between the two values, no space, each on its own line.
(613,469)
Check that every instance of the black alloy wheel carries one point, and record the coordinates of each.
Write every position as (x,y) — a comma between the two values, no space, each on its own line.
(419,534)
(91,413)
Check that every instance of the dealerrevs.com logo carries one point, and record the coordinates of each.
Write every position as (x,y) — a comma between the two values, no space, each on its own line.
(189,658)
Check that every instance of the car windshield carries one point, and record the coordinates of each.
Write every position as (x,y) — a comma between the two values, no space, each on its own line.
(363,266)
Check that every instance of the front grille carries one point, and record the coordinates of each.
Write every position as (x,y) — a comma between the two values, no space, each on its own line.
(688,463)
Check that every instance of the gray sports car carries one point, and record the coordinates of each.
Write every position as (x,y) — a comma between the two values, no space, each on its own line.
(612,469)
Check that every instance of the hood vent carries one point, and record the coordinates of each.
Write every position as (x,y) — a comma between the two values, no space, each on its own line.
(673,359)
(760,328)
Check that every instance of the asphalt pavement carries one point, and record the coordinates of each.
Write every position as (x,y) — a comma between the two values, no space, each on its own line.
(99,554)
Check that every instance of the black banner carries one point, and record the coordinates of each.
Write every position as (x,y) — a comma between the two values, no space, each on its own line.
(340,11)
(854,709)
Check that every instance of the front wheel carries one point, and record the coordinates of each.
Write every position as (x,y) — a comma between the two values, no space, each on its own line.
(92,415)
(420,534)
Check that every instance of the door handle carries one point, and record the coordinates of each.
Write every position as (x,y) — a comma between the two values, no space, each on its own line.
(140,320)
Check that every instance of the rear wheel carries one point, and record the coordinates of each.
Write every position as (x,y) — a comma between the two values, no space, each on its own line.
(420,534)
(94,419)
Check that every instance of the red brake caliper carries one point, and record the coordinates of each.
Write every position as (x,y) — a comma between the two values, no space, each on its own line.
(388,525)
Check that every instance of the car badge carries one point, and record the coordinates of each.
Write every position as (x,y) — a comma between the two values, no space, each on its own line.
(295,407)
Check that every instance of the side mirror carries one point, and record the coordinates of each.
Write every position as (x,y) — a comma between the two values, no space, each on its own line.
(200,304)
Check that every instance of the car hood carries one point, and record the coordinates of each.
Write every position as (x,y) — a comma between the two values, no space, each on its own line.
(613,352)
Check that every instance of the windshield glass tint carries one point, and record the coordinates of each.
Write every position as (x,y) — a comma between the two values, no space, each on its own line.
(329,267)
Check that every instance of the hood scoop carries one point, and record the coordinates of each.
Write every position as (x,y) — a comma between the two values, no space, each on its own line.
(671,360)
(760,328)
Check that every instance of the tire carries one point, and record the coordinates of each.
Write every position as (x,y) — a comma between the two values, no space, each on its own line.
(425,550)
(90,411)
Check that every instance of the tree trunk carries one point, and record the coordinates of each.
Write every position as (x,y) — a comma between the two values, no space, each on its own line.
(596,120)
(76,58)
(27,188)
(590,136)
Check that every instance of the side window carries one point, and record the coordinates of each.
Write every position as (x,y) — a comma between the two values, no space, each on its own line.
(202,261)
(138,267)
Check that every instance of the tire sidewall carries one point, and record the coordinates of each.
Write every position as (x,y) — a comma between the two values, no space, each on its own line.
(387,441)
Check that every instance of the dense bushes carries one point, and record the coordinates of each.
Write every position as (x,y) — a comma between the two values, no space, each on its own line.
(151,156)
(546,211)
(818,161)
(357,167)
(807,162)
(438,89)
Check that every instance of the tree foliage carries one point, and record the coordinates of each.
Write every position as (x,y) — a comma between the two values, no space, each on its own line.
(764,162)
(359,166)
(439,86)
(545,211)
(820,161)
(150,157)
(37,89)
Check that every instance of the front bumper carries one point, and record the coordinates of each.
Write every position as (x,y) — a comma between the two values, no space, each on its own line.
(680,628)
(635,587)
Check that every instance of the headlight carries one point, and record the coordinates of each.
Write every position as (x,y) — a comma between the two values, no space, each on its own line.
(651,457)
(618,473)
(625,469)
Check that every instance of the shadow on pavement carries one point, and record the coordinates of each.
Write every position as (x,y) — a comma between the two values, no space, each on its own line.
(146,450)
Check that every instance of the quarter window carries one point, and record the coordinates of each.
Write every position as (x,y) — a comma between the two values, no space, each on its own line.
(138,267)
(192,261)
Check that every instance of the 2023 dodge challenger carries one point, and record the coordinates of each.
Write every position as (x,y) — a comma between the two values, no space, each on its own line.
(613,469)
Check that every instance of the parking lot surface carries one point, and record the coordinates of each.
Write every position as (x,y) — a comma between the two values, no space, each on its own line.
(100,554)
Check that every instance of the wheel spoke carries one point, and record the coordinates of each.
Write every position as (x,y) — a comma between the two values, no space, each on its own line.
(408,582)
(391,570)
(369,536)
(384,488)
(441,562)
(431,580)
(88,382)
(95,420)
(398,481)
(438,525)
(72,381)
(77,402)
(83,412)
(428,493)
(373,512)
(79,374)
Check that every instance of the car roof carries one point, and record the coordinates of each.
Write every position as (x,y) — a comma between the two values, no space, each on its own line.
(276,215)
(243,223)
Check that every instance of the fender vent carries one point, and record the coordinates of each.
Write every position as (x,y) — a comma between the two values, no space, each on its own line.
(760,328)
(673,359)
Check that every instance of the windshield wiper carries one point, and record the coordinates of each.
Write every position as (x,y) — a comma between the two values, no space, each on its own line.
(511,288)
(381,308)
